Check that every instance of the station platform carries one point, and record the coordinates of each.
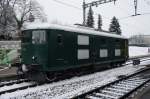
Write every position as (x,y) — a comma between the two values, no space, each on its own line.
(7,72)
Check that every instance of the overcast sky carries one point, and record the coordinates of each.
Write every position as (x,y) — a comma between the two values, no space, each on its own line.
(70,12)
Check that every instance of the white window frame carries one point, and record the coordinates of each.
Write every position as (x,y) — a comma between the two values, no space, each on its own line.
(83,54)
(103,53)
(117,52)
(83,40)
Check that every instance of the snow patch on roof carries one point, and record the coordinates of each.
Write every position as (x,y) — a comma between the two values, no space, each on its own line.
(71,29)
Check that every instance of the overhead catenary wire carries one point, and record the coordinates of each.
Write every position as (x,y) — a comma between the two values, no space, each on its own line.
(129,16)
(148,13)
(70,5)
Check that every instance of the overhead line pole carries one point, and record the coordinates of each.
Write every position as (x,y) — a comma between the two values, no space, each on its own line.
(135,6)
(84,12)
(94,3)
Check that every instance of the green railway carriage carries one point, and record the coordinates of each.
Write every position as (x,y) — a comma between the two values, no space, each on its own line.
(51,48)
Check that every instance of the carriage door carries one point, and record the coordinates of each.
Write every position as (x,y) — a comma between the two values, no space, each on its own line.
(60,49)
(40,47)
(94,49)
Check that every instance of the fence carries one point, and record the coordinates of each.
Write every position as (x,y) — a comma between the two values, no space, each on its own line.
(10,44)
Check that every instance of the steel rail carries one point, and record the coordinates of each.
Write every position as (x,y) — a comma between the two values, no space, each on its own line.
(98,90)
(76,97)
(8,83)
(18,88)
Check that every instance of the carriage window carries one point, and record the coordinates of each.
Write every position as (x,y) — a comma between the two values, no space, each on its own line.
(26,36)
(118,41)
(59,39)
(117,52)
(38,37)
(83,40)
(103,53)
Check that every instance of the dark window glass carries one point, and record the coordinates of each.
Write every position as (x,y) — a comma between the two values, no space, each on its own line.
(26,36)
(59,39)
(117,41)
(103,41)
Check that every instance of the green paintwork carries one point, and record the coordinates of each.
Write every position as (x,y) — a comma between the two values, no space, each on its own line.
(54,56)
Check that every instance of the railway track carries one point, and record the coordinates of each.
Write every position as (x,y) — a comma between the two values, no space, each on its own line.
(119,89)
(11,82)
(7,87)
(20,84)
(114,90)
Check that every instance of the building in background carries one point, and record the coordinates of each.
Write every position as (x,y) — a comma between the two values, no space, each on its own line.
(140,40)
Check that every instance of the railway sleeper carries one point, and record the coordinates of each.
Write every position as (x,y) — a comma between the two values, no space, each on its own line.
(112,92)
(116,90)
(124,89)
(135,81)
(129,84)
(95,97)
(104,95)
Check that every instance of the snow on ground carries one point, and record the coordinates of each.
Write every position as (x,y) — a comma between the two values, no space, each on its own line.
(136,51)
(4,88)
(77,85)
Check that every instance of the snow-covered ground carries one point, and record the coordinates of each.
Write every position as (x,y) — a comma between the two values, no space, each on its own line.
(136,51)
(77,85)
(70,87)
(5,88)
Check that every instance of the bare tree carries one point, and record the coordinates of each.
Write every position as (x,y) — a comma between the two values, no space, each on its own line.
(27,11)
(7,21)
(20,12)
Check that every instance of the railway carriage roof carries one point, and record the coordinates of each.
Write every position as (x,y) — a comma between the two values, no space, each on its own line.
(76,29)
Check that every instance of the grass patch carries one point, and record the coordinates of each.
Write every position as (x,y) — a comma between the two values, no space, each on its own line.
(3,53)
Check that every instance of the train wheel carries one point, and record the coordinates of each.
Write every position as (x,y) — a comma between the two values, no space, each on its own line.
(37,76)
(20,73)
(50,78)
